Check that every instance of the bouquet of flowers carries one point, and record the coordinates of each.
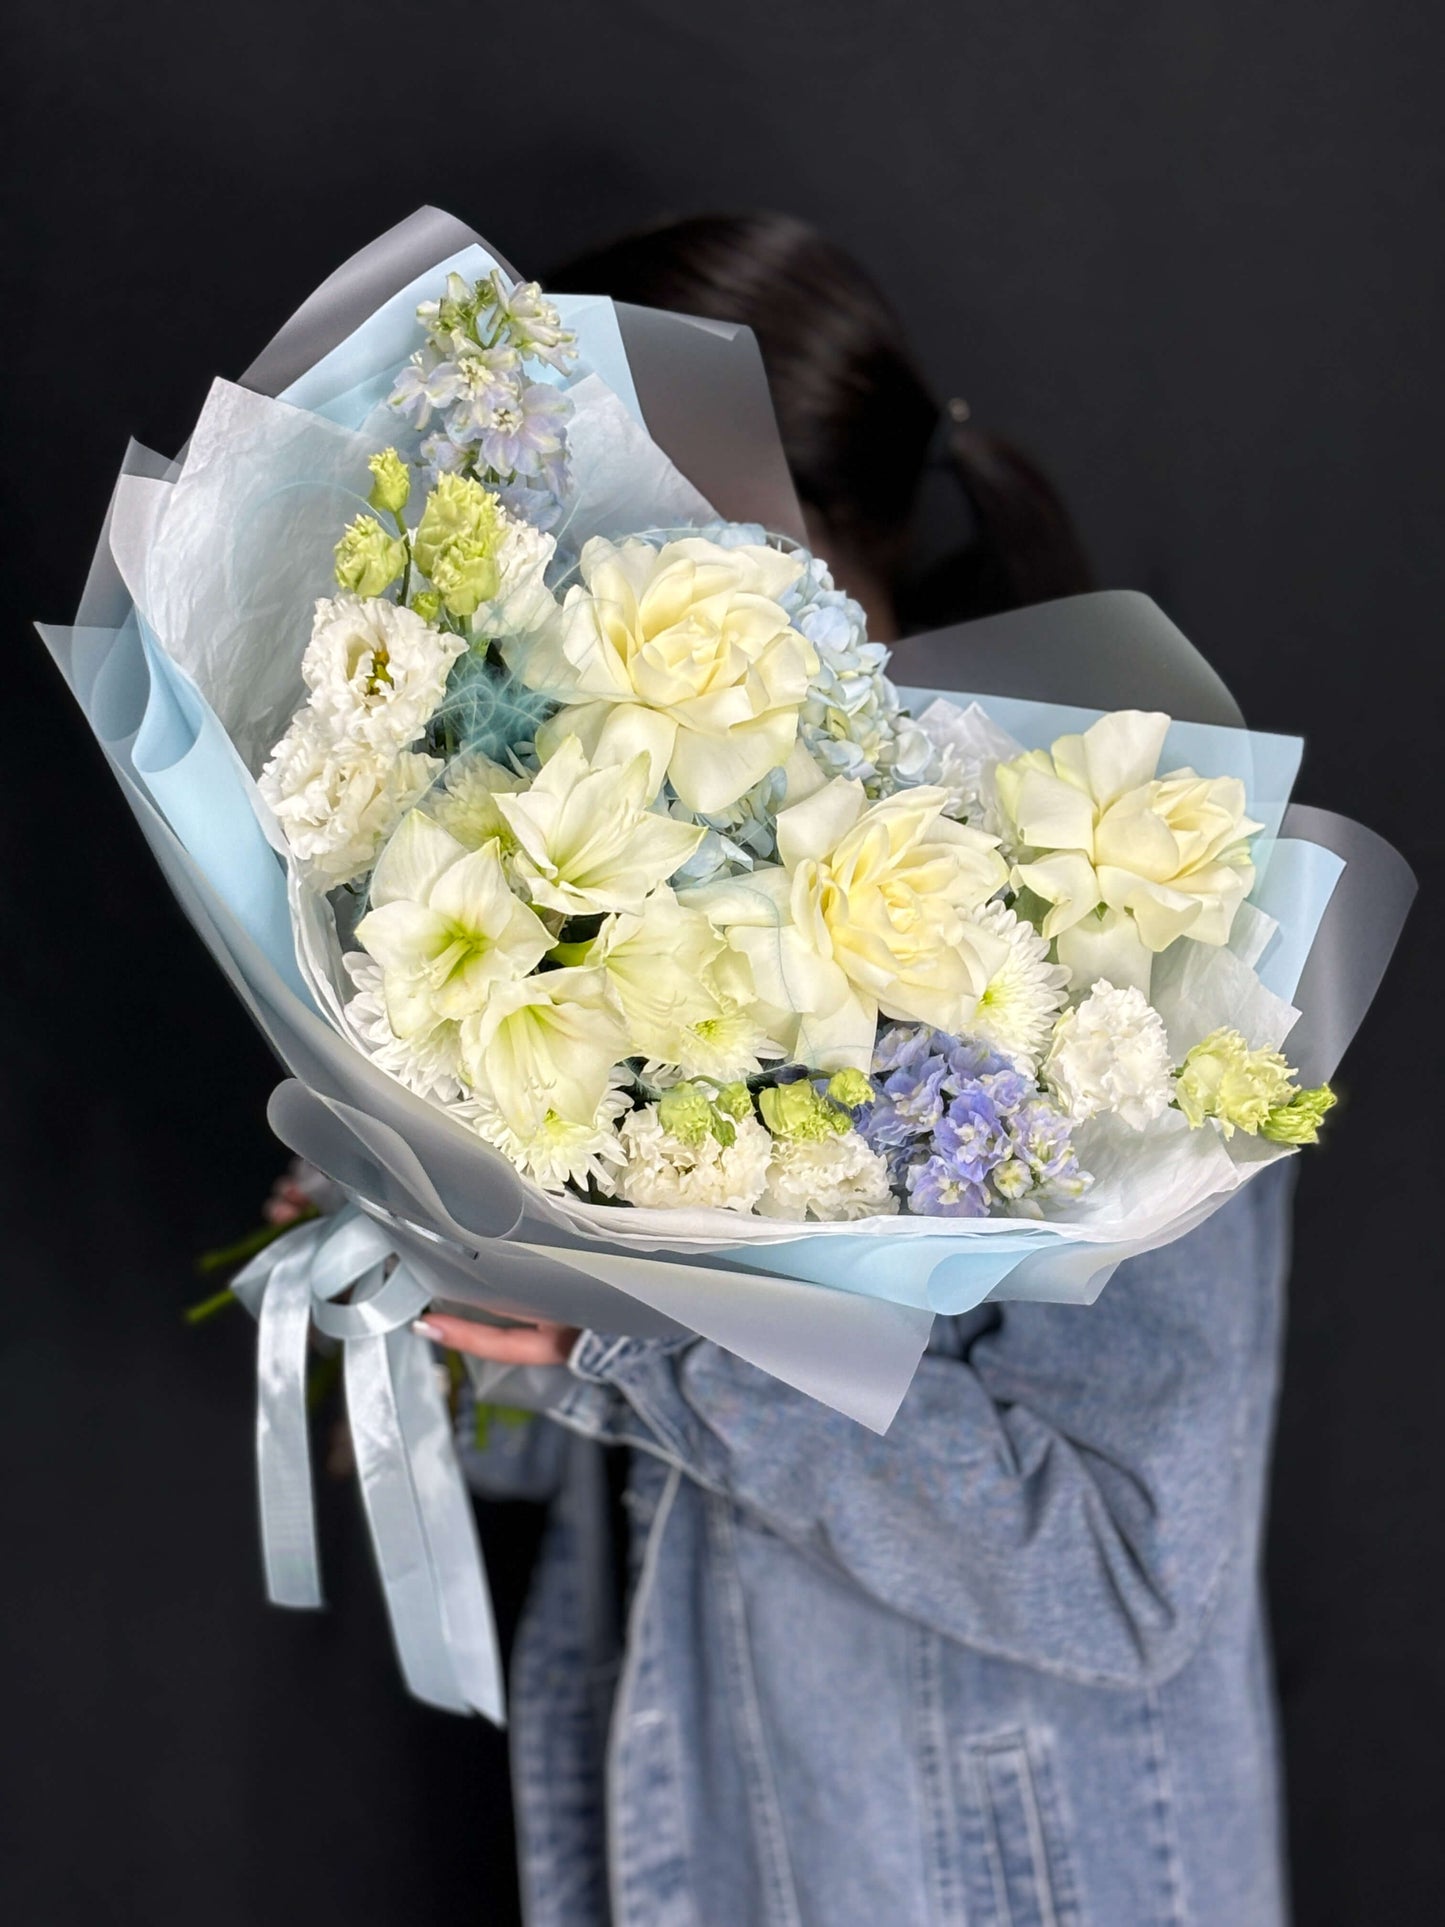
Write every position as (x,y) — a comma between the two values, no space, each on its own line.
(641,952)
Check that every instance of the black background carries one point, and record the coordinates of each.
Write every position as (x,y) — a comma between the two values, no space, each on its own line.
(1189,255)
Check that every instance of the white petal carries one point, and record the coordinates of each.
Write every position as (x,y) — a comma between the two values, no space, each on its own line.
(416,856)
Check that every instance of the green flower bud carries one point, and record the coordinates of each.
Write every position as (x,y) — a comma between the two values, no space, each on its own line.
(735,1100)
(456,543)
(392,483)
(850,1089)
(686,1113)
(368,560)
(1298,1122)
(428,604)
(1238,1087)
(796,1111)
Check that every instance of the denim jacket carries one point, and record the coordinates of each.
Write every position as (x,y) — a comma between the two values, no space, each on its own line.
(1005,1666)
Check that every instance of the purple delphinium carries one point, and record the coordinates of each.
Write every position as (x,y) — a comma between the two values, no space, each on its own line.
(965,1134)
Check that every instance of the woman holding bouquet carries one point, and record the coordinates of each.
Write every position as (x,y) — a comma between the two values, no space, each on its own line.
(1008,1663)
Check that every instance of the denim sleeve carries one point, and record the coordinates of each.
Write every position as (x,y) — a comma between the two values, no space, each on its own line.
(1067,1496)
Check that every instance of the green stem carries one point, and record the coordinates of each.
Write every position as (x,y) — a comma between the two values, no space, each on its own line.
(247,1247)
(208,1307)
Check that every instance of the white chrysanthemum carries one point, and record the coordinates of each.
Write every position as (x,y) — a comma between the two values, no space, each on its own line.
(427,1063)
(467,806)
(376,671)
(559,1151)
(1111,1054)
(665,1172)
(337,803)
(1016,1010)
(826,1179)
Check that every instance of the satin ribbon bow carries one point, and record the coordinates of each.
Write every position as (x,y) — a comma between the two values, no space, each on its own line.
(416,1500)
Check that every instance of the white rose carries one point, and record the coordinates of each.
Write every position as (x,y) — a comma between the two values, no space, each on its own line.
(867,914)
(1096,831)
(376,671)
(682,652)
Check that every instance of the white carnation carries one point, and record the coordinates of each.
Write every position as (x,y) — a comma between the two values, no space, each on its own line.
(1016,1011)
(836,1177)
(523,601)
(338,802)
(427,1063)
(665,1172)
(559,1151)
(1111,1054)
(376,671)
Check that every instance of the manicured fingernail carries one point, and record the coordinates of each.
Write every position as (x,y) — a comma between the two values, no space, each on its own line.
(425,1329)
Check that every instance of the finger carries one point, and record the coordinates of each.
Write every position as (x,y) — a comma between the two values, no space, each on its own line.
(504,1344)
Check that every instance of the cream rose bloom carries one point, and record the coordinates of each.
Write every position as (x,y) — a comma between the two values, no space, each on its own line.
(1128,862)
(867,914)
(682,652)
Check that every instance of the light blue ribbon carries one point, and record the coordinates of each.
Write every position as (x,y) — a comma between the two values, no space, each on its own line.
(416,1503)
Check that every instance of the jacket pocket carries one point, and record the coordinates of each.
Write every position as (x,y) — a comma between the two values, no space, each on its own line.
(1021,1875)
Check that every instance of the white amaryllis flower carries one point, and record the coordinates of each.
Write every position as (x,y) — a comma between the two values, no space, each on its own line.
(867,915)
(428,1063)
(1128,862)
(545,1044)
(670,1174)
(338,802)
(445,927)
(682,652)
(560,1151)
(826,1179)
(585,838)
(1111,1054)
(1025,992)
(376,671)
(657,960)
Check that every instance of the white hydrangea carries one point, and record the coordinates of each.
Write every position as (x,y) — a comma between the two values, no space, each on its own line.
(664,1172)
(376,671)
(560,1151)
(1111,1054)
(338,802)
(428,1064)
(826,1179)
(1024,995)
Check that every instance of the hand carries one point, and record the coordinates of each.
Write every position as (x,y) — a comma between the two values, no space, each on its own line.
(539,1344)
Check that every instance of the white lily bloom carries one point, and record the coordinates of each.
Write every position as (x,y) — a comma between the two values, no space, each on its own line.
(376,671)
(545,1044)
(682,652)
(867,914)
(445,927)
(1095,831)
(585,838)
(657,960)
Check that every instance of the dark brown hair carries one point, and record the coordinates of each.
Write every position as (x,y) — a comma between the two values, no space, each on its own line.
(862,431)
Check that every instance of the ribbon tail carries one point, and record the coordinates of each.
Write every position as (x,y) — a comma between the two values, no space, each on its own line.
(283,1445)
(398,1538)
(449,1527)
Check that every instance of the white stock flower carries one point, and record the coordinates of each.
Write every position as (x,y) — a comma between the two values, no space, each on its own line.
(826,1179)
(1095,831)
(445,927)
(585,838)
(667,1173)
(1016,1009)
(867,915)
(545,1044)
(560,1151)
(427,1064)
(683,652)
(337,803)
(1111,1054)
(376,671)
